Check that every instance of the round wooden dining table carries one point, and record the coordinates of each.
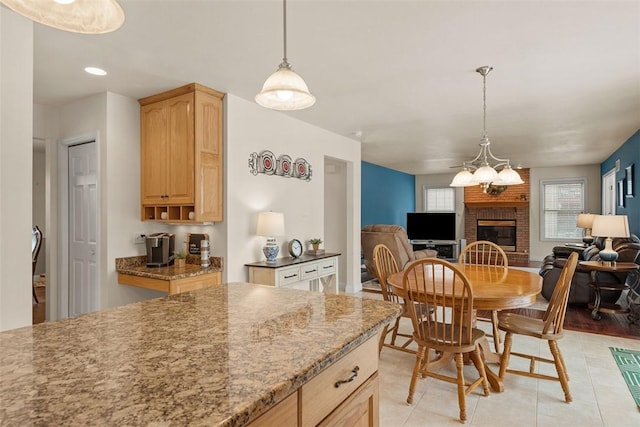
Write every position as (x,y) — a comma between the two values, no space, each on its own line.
(494,288)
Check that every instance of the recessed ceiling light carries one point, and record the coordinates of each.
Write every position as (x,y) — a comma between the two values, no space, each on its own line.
(64,1)
(95,71)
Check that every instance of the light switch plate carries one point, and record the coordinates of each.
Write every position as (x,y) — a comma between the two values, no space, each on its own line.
(138,238)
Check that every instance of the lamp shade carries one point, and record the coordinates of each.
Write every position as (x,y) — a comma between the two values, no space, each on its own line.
(79,16)
(464,178)
(285,90)
(270,224)
(508,176)
(610,226)
(485,174)
(585,220)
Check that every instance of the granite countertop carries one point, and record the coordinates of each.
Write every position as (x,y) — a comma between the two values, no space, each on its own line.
(219,356)
(137,266)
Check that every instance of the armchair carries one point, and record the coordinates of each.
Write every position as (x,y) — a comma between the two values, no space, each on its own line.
(393,237)
(628,249)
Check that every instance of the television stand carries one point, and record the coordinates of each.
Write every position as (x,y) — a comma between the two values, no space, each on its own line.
(447,249)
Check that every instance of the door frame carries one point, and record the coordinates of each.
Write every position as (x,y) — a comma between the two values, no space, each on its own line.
(611,192)
(63,218)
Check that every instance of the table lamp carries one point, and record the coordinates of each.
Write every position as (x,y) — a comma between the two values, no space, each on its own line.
(270,224)
(610,226)
(586,221)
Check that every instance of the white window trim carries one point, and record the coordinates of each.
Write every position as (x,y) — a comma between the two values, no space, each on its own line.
(543,182)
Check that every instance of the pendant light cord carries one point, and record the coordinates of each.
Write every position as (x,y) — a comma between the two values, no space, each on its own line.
(284,23)
(484,106)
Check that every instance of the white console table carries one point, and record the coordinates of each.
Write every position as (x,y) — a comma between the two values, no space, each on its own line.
(307,272)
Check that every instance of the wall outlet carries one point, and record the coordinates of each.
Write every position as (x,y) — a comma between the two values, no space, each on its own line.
(139,238)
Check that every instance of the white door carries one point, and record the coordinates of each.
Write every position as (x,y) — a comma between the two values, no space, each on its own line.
(609,193)
(83,283)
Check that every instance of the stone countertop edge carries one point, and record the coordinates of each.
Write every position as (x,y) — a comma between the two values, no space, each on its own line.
(136,266)
(218,356)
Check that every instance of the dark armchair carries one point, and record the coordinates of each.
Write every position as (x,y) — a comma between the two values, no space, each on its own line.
(628,250)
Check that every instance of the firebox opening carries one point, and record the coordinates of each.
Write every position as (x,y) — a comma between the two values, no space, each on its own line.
(500,232)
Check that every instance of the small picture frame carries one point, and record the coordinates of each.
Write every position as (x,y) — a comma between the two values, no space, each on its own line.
(620,193)
(628,176)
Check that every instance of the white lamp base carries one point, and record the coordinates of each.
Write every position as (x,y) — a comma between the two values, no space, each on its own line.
(271,250)
(608,254)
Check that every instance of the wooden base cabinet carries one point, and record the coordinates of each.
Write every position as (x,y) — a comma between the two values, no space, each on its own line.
(181,159)
(346,394)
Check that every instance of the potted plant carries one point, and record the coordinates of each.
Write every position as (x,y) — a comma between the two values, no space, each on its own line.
(315,243)
(179,259)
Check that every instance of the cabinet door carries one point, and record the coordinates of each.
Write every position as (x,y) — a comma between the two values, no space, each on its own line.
(209,162)
(361,409)
(153,153)
(180,149)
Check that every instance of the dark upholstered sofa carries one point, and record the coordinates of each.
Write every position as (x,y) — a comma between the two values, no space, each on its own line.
(581,293)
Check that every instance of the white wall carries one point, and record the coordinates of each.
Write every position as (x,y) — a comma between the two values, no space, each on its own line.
(16,148)
(251,128)
(335,211)
(538,248)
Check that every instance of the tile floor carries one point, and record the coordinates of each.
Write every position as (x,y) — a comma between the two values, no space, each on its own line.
(600,395)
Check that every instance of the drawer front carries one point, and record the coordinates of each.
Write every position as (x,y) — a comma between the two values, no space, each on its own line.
(327,266)
(320,396)
(288,275)
(309,270)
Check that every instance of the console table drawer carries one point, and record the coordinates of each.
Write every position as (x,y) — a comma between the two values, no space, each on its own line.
(309,270)
(327,266)
(288,275)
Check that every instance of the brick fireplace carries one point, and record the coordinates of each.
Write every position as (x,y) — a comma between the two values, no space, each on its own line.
(508,207)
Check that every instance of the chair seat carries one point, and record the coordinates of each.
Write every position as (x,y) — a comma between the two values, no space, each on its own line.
(449,341)
(523,325)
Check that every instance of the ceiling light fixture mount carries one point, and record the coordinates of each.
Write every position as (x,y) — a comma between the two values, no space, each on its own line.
(285,90)
(76,16)
(483,173)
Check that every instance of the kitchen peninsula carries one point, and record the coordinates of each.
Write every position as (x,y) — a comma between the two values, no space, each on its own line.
(220,356)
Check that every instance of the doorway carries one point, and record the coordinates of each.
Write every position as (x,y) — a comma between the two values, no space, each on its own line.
(78,227)
(335,213)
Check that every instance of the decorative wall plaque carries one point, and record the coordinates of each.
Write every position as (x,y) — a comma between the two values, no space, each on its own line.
(265,162)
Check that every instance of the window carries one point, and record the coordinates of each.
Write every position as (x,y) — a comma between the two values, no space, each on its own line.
(439,199)
(562,201)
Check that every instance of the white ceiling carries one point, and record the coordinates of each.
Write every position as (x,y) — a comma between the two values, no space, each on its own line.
(565,88)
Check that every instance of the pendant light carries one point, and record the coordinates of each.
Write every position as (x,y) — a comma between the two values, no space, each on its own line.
(478,170)
(76,16)
(285,90)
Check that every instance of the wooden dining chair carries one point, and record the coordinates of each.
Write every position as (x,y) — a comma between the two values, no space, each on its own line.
(385,265)
(549,328)
(448,330)
(486,253)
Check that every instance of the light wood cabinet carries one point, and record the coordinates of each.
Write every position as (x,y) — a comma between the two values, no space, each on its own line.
(181,159)
(172,286)
(344,394)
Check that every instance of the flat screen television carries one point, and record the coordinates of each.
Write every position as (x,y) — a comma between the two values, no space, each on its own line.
(431,226)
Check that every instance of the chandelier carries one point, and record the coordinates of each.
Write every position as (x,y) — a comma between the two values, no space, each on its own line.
(478,171)
(285,90)
(77,16)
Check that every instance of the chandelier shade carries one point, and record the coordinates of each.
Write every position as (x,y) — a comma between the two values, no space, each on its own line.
(76,16)
(285,90)
(479,171)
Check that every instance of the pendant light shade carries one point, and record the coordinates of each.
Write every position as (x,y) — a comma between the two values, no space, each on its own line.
(76,16)
(508,176)
(285,90)
(464,178)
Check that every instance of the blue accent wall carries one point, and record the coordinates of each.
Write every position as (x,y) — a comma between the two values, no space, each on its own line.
(387,195)
(628,154)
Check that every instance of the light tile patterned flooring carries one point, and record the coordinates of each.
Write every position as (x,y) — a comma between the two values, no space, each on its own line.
(600,395)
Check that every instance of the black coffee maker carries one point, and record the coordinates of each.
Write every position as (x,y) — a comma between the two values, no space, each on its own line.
(160,249)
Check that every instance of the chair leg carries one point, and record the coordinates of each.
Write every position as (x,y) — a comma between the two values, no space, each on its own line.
(395,331)
(35,297)
(562,374)
(476,358)
(496,331)
(506,352)
(383,335)
(462,402)
(416,370)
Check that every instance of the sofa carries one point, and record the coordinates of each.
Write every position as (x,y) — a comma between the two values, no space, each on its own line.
(581,292)
(395,238)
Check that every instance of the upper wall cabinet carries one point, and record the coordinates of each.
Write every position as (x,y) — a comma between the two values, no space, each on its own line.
(181,155)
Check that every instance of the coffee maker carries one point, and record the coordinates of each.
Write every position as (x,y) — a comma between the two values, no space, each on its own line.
(160,249)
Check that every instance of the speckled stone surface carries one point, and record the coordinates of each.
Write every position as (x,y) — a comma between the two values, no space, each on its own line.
(137,266)
(219,356)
